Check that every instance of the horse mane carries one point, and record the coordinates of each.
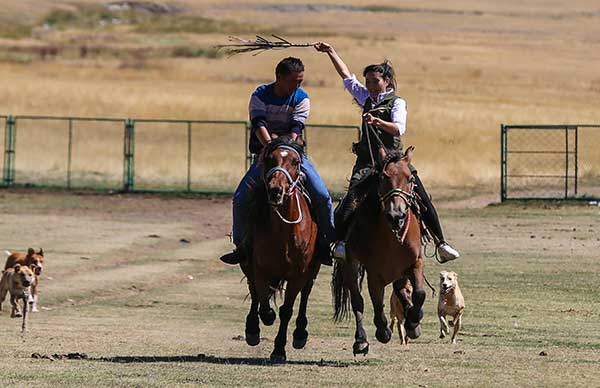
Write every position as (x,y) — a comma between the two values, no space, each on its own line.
(391,157)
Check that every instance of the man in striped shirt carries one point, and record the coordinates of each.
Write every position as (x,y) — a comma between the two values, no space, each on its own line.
(276,109)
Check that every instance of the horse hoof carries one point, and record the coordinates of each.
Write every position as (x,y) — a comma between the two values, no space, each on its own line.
(414,333)
(252,339)
(384,336)
(268,317)
(300,339)
(277,359)
(360,348)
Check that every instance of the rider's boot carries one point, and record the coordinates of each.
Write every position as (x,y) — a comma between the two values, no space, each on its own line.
(446,252)
(322,253)
(240,254)
(233,257)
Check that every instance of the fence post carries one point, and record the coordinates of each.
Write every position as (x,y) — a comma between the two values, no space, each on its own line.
(9,151)
(576,158)
(566,162)
(69,153)
(128,156)
(189,156)
(502,163)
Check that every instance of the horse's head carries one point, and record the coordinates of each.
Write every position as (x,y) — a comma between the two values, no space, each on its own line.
(395,186)
(281,164)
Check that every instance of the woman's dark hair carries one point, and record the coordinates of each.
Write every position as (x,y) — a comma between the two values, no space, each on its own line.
(385,69)
(289,65)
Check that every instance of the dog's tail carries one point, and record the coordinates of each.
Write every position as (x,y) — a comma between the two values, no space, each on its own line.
(7,253)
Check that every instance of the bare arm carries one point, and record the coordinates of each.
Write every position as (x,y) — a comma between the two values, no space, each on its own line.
(387,126)
(339,65)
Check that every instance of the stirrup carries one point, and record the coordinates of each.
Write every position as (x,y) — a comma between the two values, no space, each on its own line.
(339,250)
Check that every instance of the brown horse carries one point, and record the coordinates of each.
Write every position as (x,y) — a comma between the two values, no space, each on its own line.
(283,235)
(385,241)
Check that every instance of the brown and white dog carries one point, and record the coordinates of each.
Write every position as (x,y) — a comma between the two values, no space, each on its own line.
(451,302)
(32,259)
(397,310)
(18,281)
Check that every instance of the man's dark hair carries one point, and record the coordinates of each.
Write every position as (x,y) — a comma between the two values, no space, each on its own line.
(385,69)
(289,65)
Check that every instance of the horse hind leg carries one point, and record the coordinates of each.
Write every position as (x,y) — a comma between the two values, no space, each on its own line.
(350,273)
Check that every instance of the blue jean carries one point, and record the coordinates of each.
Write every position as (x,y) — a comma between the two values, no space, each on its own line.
(321,201)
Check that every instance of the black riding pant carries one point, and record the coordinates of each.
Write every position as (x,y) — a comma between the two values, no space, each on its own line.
(428,212)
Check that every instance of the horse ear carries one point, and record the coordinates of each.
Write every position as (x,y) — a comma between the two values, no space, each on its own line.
(408,153)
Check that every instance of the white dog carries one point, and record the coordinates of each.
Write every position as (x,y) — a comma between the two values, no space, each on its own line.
(451,302)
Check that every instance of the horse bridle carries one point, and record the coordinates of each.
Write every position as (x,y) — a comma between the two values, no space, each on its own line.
(293,184)
(409,199)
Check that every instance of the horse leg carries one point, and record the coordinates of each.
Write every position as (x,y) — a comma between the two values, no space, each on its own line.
(415,313)
(351,274)
(285,314)
(377,291)
(252,325)
(263,292)
(301,334)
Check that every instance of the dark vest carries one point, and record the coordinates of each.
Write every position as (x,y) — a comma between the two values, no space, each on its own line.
(383,111)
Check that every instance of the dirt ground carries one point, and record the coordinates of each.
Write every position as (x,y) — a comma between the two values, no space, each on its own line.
(132,282)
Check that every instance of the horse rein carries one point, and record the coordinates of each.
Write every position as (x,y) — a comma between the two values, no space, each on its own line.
(293,187)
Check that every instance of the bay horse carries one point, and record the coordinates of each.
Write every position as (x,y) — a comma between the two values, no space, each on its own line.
(283,236)
(385,242)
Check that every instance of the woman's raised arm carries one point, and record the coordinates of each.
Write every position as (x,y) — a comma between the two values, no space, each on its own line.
(339,65)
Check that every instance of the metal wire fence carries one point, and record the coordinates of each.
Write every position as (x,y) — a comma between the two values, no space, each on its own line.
(550,162)
(149,155)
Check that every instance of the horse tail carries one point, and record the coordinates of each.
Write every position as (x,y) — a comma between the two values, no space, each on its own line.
(339,293)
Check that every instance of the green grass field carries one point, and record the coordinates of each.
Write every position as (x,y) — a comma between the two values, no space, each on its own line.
(151,311)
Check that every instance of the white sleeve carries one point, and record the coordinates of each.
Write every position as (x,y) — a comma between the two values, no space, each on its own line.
(356,89)
(301,111)
(399,113)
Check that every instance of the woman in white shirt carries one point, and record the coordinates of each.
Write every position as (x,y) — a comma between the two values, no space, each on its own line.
(385,113)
